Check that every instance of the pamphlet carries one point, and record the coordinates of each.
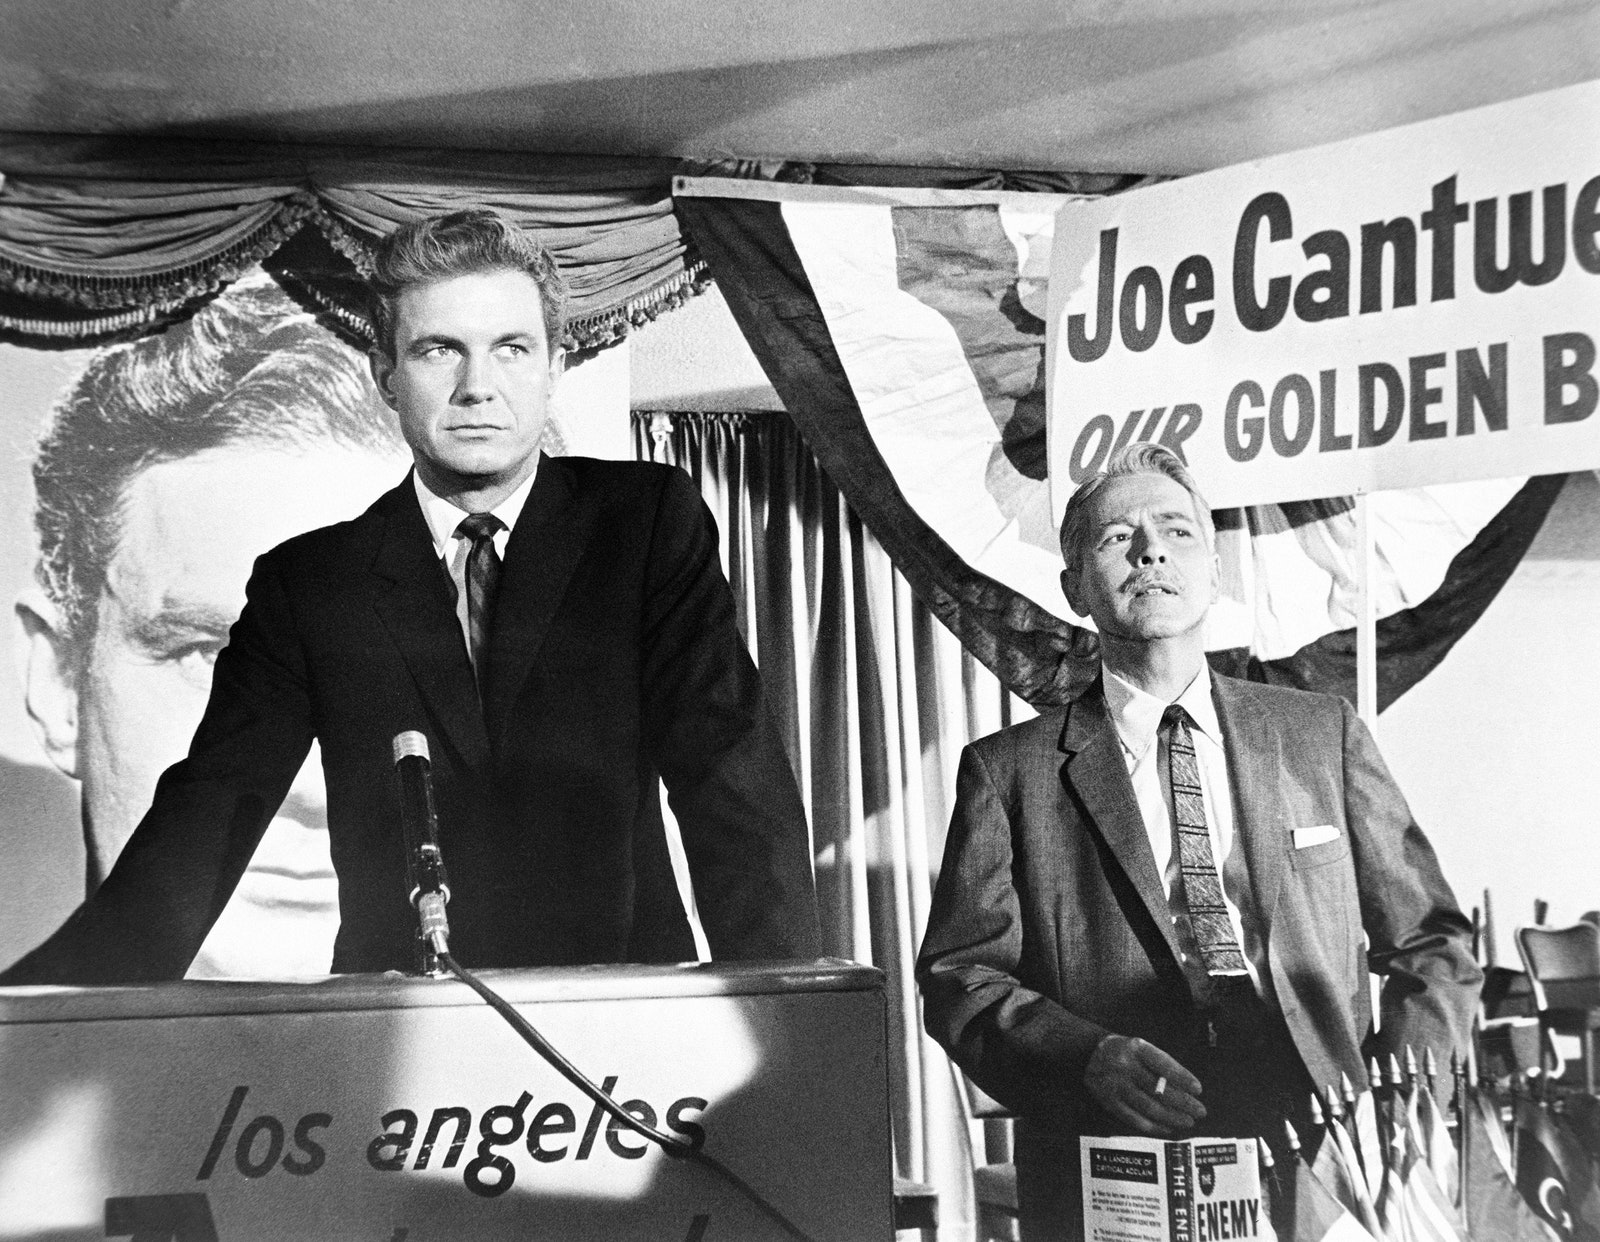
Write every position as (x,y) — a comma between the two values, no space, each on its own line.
(1152,1190)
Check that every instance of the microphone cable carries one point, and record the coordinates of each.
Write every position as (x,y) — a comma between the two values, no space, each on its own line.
(677,1148)
(430,893)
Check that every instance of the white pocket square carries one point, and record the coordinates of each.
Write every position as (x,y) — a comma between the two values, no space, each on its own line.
(1317,835)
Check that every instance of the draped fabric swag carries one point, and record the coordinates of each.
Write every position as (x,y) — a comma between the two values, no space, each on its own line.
(875,700)
(905,336)
(102,237)
(108,237)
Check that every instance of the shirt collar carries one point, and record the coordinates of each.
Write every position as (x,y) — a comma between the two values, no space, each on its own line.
(443,516)
(1137,715)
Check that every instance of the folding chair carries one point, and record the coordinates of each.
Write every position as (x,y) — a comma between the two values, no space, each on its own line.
(916,1208)
(994,1182)
(1564,967)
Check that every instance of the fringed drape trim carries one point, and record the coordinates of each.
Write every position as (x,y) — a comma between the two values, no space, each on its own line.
(146,297)
(81,329)
(163,290)
(613,324)
(586,332)
(356,326)
(141,299)
(351,245)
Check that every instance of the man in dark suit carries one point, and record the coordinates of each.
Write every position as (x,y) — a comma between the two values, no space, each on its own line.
(1151,911)
(560,630)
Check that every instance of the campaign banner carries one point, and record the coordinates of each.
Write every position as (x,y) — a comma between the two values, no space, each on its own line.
(910,350)
(1415,306)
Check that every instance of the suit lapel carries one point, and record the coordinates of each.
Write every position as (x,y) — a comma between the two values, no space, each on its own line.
(546,544)
(1255,767)
(1096,771)
(412,596)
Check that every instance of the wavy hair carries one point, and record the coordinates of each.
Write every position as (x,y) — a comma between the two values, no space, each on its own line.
(249,367)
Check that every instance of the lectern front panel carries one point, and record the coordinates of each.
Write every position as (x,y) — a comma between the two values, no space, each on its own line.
(405,1110)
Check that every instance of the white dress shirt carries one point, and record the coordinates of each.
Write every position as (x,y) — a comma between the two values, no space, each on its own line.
(1136,716)
(444,516)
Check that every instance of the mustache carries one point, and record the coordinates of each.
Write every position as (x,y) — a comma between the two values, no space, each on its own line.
(1152,579)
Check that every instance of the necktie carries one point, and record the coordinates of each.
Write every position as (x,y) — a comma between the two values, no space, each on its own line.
(483,578)
(1202,883)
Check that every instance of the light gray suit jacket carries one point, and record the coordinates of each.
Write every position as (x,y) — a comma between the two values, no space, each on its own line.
(1050,927)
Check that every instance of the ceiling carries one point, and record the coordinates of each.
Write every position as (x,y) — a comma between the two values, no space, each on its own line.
(1087,85)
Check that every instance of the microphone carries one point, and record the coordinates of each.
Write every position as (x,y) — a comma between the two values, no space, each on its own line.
(430,887)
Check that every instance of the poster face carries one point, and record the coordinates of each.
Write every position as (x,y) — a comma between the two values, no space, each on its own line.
(138,483)
(1410,307)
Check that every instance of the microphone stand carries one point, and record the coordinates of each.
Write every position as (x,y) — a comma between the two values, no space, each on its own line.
(430,886)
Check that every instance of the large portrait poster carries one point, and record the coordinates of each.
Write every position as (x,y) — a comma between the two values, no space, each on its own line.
(138,482)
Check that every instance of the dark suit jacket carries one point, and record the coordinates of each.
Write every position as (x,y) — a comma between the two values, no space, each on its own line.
(1050,928)
(614,657)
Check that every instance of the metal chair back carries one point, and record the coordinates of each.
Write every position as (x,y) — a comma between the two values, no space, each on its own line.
(1564,967)
(1558,958)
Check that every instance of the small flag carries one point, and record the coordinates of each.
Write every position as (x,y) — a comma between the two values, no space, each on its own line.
(1306,1211)
(1431,1137)
(1555,1176)
(1339,1170)
(1429,1215)
(1495,1212)
(1364,1112)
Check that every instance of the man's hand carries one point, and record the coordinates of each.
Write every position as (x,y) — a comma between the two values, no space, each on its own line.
(1142,1086)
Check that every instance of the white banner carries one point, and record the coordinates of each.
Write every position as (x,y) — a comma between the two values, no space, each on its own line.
(1414,306)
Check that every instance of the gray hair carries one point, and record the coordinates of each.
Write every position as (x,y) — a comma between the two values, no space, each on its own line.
(1141,457)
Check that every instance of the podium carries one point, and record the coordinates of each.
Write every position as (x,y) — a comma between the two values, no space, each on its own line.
(400,1109)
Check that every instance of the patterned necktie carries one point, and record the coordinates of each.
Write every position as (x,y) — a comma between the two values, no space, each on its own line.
(1202,883)
(483,579)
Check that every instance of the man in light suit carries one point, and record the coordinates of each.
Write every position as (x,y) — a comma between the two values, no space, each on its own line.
(1151,921)
(560,630)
